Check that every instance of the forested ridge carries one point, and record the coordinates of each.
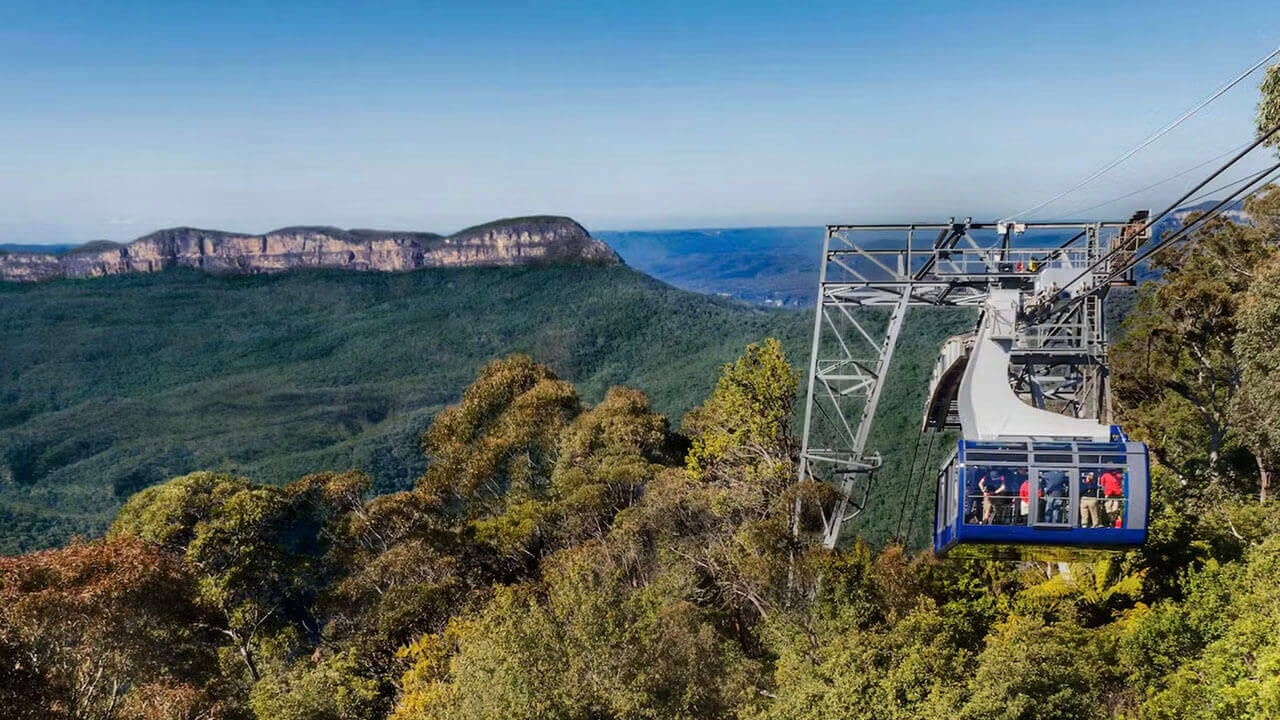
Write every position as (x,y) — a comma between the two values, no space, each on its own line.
(110,385)
(118,383)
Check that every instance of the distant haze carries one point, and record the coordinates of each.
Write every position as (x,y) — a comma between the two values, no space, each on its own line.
(126,117)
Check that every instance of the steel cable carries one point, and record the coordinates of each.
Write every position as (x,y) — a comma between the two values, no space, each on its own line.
(915,504)
(1171,178)
(1175,205)
(1152,138)
(911,473)
(1209,214)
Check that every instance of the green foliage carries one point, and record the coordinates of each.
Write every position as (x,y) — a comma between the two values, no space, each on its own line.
(252,549)
(746,425)
(1158,640)
(248,573)
(608,455)
(1175,535)
(110,385)
(499,445)
(1177,370)
(635,619)
(872,644)
(1269,105)
(604,460)
(911,669)
(167,515)
(1030,670)
(583,646)
(333,688)
(1257,407)
(741,468)
(1216,655)
(1097,591)
(399,570)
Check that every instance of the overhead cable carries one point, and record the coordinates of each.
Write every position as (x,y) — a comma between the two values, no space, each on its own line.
(1210,193)
(1152,186)
(1200,220)
(1178,203)
(1152,138)
(924,475)
(911,476)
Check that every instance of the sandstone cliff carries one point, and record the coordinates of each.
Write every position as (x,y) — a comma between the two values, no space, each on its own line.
(516,241)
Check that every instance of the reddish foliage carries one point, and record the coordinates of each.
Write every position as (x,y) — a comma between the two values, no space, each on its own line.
(90,621)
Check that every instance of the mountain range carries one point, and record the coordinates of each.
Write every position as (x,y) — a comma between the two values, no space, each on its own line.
(514,241)
(773,266)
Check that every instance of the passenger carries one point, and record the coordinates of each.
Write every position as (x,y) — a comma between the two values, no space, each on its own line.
(1057,493)
(1091,515)
(989,491)
(1113,491)
(973,499)
(1024,504)
(1006,504)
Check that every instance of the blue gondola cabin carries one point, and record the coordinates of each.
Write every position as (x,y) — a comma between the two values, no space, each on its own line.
(1043,493)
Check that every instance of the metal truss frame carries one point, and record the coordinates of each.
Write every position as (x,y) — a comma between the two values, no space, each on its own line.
(871,275)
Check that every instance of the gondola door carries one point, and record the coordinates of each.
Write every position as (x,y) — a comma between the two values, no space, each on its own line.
(1052,497)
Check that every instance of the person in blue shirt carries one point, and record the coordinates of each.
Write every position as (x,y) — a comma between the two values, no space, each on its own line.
(1056,490)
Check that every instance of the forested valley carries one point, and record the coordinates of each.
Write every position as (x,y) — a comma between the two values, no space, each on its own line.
(111,385)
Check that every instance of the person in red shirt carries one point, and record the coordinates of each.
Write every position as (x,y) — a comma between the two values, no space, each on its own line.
(1113,490)
(1024,500)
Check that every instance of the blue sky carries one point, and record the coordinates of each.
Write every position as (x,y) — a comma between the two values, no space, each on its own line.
(116,119)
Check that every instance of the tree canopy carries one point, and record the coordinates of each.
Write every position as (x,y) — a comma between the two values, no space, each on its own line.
(1179,373)
(573,561)
(1269,105)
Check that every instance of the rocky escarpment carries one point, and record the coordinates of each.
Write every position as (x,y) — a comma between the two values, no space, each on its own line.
(516,241)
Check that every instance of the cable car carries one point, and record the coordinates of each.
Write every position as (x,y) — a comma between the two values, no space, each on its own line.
(1022,475)
(1043,493)
(1038,470)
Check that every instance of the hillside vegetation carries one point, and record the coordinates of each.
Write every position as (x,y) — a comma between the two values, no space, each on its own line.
(567,557)
(112,384)
(565,560)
